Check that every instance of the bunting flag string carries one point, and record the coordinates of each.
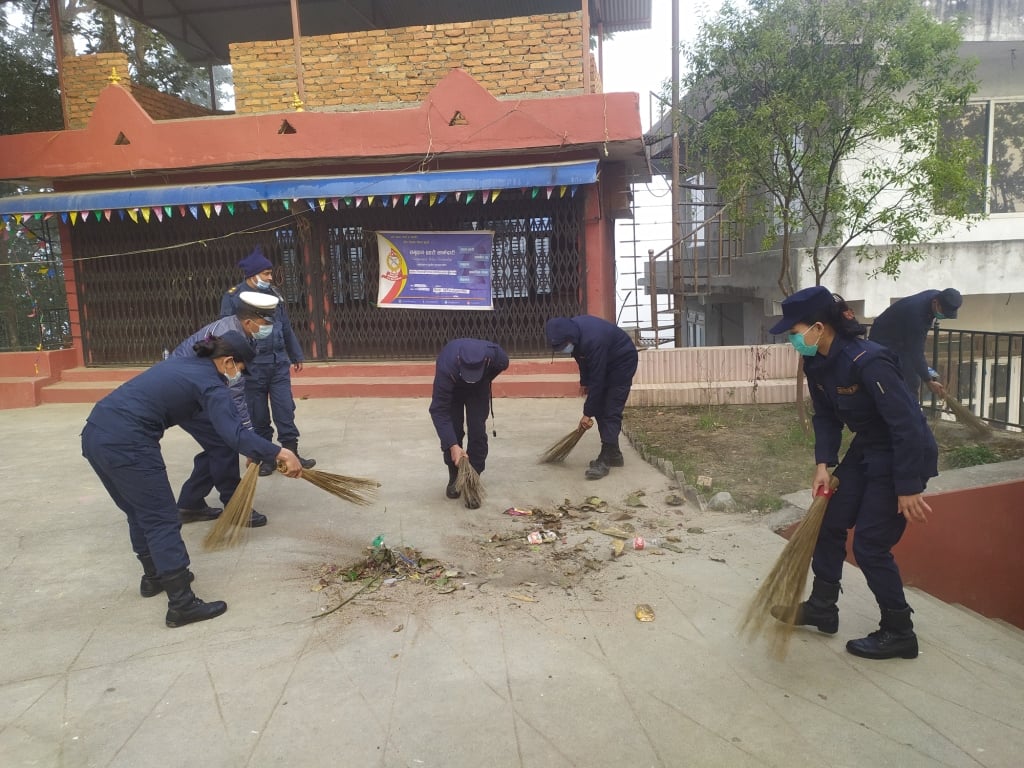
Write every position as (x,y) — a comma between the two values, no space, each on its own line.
(146,213)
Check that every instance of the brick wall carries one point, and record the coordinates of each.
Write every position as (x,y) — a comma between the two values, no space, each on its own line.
(523,55)
(86,76)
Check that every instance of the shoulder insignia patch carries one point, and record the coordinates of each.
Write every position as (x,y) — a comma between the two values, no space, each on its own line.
(851,390)
(233,289)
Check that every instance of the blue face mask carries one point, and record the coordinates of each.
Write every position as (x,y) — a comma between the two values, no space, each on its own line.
(800,345)
(262,284)
(237,377)
(939,316)
(568,348)
(263,331)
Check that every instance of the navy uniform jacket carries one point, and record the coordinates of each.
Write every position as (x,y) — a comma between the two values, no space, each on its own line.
(600,348)
(859,384)
(219,328)
(446,380)
(175,391)
(281,346)
(904,327)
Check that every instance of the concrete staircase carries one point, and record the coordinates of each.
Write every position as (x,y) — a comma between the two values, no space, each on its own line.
(540,377)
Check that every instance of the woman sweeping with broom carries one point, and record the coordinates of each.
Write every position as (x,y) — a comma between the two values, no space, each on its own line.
(857,383)
(121,441)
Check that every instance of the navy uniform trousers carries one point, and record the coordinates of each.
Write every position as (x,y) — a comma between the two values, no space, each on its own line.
(470,403)
(133,472)
(618,382)
(216,465)
(273,380)
(866,500)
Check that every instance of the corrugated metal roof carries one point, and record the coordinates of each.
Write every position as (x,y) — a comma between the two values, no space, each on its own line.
(201,30)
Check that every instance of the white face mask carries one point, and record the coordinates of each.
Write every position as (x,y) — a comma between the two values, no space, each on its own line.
(568,348)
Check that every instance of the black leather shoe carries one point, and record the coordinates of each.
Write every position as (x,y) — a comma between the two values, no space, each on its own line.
(306,463)
(256,520)
(451,491)
(472,504)
(596,470)
(267,469)
(199,515)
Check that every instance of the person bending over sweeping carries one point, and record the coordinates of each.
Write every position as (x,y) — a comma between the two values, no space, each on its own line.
(462,394)
(121,441)
(217,465)
(607,359)
(882,476)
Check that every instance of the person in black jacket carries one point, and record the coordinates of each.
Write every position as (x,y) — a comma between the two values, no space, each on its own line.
(462,394)
(607,360)
(882,477)
(121,441)
(903,328)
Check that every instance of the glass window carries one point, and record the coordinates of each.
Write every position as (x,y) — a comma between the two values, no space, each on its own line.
(1007,193)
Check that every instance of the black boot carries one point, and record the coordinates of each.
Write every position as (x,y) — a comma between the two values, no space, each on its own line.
(294,448)
(612,455)
(267,468)
(819,610)
(183,607)
(150,585)
(894,638)
(199,514)
(451,491)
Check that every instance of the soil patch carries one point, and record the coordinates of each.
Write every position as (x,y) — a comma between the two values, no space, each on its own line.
(759,453)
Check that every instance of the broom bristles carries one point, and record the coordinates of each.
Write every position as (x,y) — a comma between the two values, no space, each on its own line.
(468,483)
(233,522)
(785,583)
(357,490)
(966,417)
(560,450)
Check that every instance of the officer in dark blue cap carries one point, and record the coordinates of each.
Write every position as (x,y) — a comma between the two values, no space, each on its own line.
(269,389)
(857,383)
(904,327)
(121,441)
(607,360)
(463,374)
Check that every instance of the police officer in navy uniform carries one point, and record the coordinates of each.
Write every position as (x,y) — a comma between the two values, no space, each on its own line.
(607,360)
(858,384)
(121,441)
(463,374)
(269,389)
(904,327)
(217,464)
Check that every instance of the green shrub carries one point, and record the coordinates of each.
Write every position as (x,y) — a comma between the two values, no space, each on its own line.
(971,456)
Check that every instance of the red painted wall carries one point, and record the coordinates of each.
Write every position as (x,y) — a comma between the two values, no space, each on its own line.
(969,551)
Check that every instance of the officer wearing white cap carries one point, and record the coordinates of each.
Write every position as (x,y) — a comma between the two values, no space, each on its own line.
(904,327)
(217,464)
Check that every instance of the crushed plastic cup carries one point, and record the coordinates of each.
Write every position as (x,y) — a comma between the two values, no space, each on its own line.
(541,537)
(639,543)
(517,512)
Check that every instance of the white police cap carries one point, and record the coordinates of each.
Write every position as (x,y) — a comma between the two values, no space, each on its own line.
(263,303)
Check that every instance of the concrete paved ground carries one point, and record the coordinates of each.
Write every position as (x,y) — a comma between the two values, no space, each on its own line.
(537,660)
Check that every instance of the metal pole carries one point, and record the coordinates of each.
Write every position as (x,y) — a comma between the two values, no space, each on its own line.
(652,286)
(586,45)
(213,87)
(58,58)
(679,303)
(297,39)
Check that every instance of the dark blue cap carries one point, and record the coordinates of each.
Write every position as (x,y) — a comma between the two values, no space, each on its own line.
(255,263)
(239,347)
(801,306)
(950,301)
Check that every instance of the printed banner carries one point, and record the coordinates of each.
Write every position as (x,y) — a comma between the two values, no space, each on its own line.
(435,270)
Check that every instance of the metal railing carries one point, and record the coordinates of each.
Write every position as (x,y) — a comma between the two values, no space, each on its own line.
(981,369)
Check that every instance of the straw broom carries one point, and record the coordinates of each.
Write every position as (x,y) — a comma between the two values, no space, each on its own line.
(233,522)
(468,483)
(967,418)
(558,452)
(785,584)
(357,490)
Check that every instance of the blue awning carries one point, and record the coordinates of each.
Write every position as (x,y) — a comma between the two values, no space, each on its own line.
(306,188)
